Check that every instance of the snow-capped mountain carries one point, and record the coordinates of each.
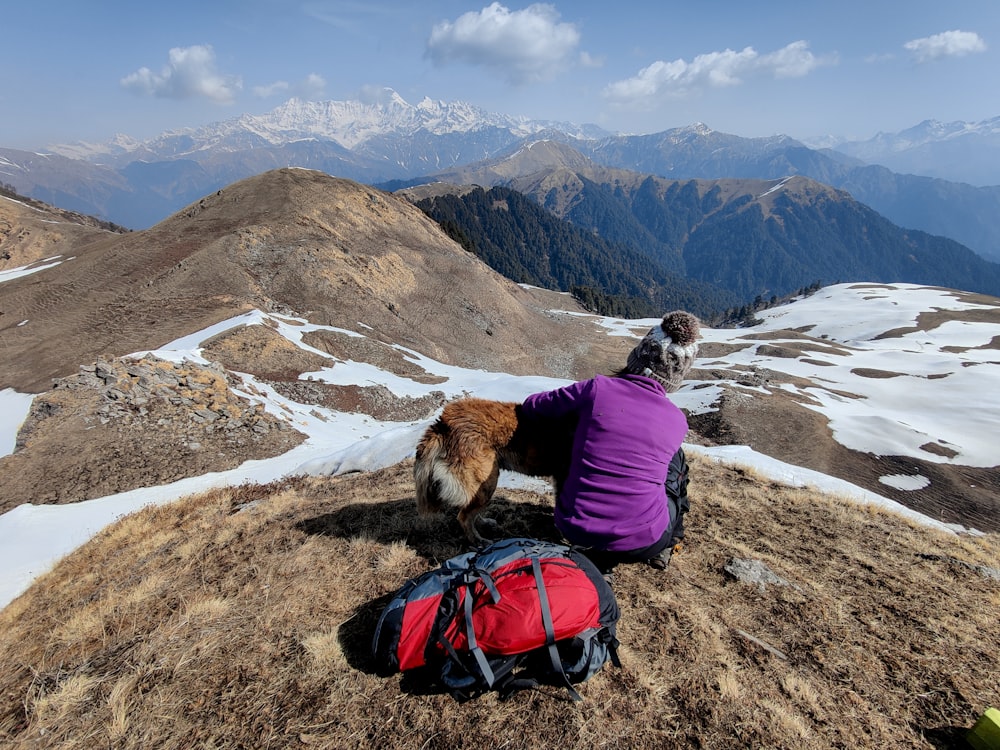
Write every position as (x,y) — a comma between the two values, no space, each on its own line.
(375,140)
(118,145)
(382,140)
(928,131)
(958,151)
(350,124)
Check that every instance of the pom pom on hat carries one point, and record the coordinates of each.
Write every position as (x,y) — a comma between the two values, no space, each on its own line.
(667,352)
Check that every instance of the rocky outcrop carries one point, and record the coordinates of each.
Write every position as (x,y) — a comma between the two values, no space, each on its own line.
(123,423)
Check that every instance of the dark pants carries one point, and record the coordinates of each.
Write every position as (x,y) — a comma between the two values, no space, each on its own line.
(606,559)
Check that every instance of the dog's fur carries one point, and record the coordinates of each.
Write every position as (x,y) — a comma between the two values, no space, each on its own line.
(460,456)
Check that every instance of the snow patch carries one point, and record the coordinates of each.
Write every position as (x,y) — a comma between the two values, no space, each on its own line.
(905,481)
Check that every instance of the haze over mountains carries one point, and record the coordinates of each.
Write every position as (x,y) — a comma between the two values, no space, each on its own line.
(956,151)
(138,184)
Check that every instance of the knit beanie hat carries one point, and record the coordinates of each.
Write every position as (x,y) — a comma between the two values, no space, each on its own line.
(667,352)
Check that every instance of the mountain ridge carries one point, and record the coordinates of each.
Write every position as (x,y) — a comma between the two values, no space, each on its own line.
(750,238)
(348,123)
(290,240)
(227,592)
(399,141)
(957,151)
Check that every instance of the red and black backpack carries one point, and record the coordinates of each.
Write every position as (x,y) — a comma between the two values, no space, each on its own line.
(515,614)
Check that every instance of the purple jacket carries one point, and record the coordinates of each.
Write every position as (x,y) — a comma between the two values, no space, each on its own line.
(627,432)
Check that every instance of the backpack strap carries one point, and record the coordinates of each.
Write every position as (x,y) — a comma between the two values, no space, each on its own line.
(488,582)
(612,643)
(463,588)
(470,633)
(550,631)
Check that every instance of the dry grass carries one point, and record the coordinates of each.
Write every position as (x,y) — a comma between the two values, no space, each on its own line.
(242,618)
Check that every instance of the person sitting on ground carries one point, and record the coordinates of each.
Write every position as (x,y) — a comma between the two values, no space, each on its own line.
(614,501)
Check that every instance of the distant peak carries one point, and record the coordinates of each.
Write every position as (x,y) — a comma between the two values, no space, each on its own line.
(428,103)
(381,96)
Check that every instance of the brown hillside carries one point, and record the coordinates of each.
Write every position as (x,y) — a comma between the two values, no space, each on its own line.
(295,241)
(243,618)
(547,172)
(31,231)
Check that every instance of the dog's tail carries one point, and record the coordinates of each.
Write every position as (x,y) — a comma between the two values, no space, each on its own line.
(435,482)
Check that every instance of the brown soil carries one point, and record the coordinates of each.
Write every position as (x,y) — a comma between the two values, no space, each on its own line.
(260,351)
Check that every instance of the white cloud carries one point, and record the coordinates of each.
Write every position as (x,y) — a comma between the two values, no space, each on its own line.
(526,45)
(354,17)
(881,57)
(946,44)
(189,73)
(714,70)
(311,88)
(271,89)
(792,61)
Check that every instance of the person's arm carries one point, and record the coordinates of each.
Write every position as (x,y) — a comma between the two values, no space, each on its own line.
(556,403)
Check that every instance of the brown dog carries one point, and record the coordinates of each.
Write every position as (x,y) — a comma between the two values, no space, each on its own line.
(460,456)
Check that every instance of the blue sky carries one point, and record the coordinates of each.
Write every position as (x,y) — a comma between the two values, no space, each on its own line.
(85,70)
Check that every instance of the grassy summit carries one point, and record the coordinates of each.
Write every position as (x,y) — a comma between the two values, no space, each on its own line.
(243,617)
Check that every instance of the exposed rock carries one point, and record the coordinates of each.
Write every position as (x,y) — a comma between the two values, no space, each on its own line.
(755,573)
(120,424)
